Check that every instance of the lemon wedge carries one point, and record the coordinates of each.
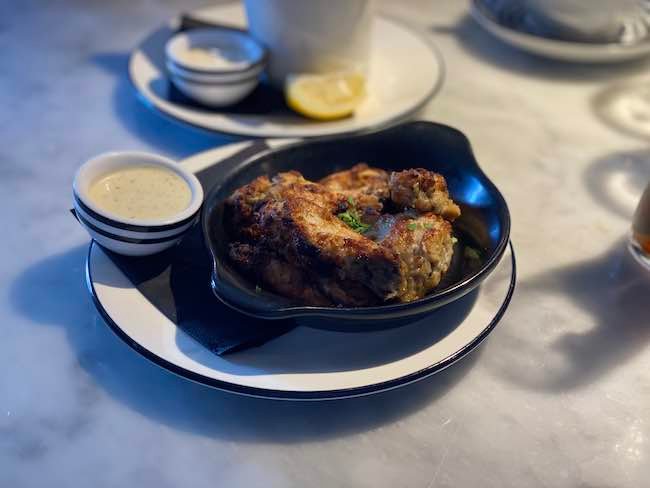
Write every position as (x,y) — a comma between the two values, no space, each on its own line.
(325,97)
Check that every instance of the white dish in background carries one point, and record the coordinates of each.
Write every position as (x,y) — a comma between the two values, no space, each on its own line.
(562,50)
(129,236)
(305,363)
(406,71)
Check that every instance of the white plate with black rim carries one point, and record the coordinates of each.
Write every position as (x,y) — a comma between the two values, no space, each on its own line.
(406,71)
(305,363)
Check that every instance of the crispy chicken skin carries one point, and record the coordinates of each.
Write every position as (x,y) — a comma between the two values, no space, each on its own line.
(366,186)
(288,235)
(242,205)
(360,182)
(424,246)
(285,278)
(307,234)
(292,281)
(424,191)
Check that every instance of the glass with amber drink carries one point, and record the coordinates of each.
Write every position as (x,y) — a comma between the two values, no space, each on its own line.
(640,237)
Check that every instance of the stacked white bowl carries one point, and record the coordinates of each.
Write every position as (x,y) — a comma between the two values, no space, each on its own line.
(215,66)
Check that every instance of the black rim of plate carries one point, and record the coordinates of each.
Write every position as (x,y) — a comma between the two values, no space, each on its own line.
(435,89)
(302,395)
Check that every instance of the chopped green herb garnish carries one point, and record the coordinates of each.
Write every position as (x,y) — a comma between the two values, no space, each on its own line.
(428,226)
(412,226)
(351,200)
(454,240)
(471,253)
(351,219)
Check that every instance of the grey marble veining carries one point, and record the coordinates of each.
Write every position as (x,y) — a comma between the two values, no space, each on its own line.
(558,396)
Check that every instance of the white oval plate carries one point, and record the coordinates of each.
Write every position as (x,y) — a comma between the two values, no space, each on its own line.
(406,72)
(579,52)
(305,363)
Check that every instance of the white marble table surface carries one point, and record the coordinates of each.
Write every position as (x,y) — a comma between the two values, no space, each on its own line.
(558,396)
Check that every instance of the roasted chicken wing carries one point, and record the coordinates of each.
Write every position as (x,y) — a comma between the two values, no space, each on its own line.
(424,246)
(360,182)
(424,191)
(329,243)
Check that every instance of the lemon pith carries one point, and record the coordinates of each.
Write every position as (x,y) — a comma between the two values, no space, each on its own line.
(325,97)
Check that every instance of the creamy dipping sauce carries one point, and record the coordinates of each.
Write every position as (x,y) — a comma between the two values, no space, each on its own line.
(215,58)
(141,192)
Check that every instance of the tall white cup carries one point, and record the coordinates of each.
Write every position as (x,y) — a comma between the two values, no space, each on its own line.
(312,36)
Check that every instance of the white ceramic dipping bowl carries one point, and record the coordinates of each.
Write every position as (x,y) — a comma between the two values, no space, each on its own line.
(132,237)
(241,61)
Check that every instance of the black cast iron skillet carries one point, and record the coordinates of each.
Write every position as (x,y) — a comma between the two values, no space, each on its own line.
(483,229)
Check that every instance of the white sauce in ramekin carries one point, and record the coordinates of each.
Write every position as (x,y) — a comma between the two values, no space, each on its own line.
(221,57)
(141,192)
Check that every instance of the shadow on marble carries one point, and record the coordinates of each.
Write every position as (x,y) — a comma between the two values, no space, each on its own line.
(478,43)
(625,107)
(617,181)
(590,318)
(169,136)
(115,369)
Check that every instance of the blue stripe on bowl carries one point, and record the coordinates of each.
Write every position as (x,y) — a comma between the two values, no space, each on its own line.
(129,233)
(131,227)
(129,240)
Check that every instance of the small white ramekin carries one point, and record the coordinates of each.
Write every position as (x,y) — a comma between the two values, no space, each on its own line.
(221,93)
(210,86)
(132,237)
